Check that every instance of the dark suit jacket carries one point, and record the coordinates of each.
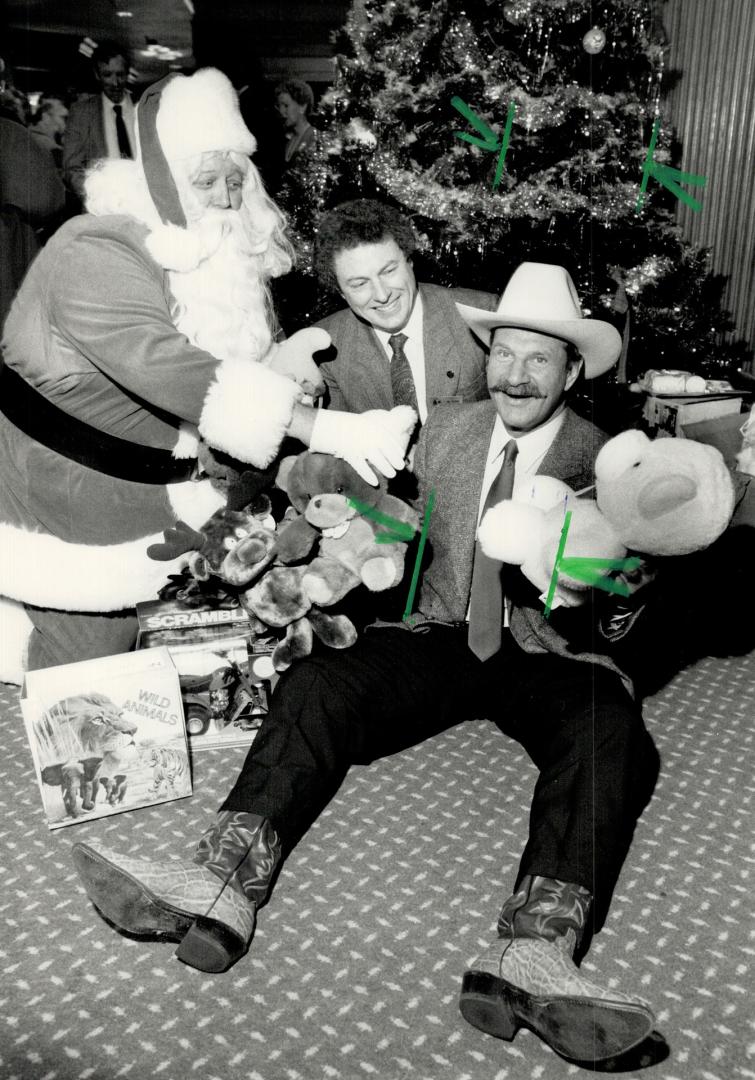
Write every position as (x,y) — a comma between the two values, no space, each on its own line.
(83,141)
(358,377)
(450,458)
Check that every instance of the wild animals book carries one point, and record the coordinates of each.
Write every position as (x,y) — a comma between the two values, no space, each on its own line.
(107,735)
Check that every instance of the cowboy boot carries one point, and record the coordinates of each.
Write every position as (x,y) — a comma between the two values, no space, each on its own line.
(209,904)
(528,978)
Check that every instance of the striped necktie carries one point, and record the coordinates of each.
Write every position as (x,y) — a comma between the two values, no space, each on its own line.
(402,380)
(486,598)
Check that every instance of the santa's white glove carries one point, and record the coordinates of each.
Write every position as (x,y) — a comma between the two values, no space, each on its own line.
(377,438)
(293,358)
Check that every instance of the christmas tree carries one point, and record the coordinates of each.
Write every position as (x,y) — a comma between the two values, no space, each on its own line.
(557,101)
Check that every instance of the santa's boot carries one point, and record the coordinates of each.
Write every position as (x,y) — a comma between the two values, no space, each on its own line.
(209,904)
(528,978)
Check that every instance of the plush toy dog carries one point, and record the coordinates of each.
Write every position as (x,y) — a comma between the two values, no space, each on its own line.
(358,534)
(662,497)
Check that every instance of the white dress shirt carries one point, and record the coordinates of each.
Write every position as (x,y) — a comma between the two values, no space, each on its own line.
(108,119)
(532,448)
(414,350)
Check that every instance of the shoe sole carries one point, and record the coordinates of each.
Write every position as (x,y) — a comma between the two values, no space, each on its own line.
(127,903)
(582,1029)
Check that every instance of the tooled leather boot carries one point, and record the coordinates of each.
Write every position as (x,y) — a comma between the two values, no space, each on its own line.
(209,904)
(528,978)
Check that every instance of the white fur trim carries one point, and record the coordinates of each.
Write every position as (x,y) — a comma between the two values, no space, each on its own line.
(194,501)
(199,113)
(117,186)
(247,411)
(42,570)
(183,250)
(174,248)
(15,629)
(187,445)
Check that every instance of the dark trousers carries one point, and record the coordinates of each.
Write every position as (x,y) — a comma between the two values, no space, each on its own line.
(395,687)
(64,637)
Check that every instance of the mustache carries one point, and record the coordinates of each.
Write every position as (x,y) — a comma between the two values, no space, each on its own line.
(515,391)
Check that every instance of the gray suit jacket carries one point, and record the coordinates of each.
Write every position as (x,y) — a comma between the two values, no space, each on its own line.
(358,377)
(83,141)
(450,458)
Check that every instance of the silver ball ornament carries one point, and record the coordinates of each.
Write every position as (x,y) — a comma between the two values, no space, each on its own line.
(594,41)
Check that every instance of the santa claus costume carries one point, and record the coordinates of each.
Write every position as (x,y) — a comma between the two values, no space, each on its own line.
(141,324)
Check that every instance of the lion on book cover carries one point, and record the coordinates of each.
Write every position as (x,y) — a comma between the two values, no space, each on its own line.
(83,743)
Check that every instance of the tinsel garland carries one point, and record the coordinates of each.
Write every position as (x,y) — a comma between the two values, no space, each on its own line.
(574,162)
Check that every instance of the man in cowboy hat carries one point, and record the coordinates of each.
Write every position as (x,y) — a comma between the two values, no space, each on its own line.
(568,706)
(143,324)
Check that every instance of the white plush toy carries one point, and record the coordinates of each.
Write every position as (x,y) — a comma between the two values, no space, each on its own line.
(662,497)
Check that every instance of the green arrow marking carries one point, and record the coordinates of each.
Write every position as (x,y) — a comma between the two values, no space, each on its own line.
(667,176)
(504,145)
(557,563)
(398,530)
(407,617)
(489,140)
(588,570)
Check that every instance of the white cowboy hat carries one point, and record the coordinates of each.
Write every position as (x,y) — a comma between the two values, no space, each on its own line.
(542,297)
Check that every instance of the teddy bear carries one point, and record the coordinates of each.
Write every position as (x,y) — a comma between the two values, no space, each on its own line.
(358,534)
(655,497)
(352,520)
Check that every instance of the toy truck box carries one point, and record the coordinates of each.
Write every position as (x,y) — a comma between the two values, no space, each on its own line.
(226,675)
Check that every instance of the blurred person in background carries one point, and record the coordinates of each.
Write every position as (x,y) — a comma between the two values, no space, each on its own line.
(48,124)
(31,193)
(100,125)
(294,102)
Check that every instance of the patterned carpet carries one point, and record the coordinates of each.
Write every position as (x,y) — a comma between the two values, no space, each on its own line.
(356,965)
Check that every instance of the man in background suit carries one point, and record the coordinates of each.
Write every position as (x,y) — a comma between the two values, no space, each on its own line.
(463,657)
(397,342)
(100,125)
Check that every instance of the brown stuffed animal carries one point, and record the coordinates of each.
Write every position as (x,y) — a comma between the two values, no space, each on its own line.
(359,534)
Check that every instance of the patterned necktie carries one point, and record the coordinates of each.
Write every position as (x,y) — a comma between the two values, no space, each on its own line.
(124,144)
(486,601)
(402,380)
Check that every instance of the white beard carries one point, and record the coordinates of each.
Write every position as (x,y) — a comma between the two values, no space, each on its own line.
(222,305)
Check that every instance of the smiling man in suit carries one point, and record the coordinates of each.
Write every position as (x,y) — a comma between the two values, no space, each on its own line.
(398,342)
(100,125)
(569,706)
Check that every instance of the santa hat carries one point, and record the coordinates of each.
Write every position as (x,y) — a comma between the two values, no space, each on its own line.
(178,117)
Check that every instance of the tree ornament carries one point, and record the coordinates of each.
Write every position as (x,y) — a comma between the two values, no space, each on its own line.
(594,41)
(518,11)
(356,131)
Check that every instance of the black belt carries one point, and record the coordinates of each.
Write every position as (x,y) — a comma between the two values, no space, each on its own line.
(32,413)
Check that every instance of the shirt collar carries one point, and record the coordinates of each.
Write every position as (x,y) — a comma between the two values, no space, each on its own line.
(125,101)
(413,328)
(532,443)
